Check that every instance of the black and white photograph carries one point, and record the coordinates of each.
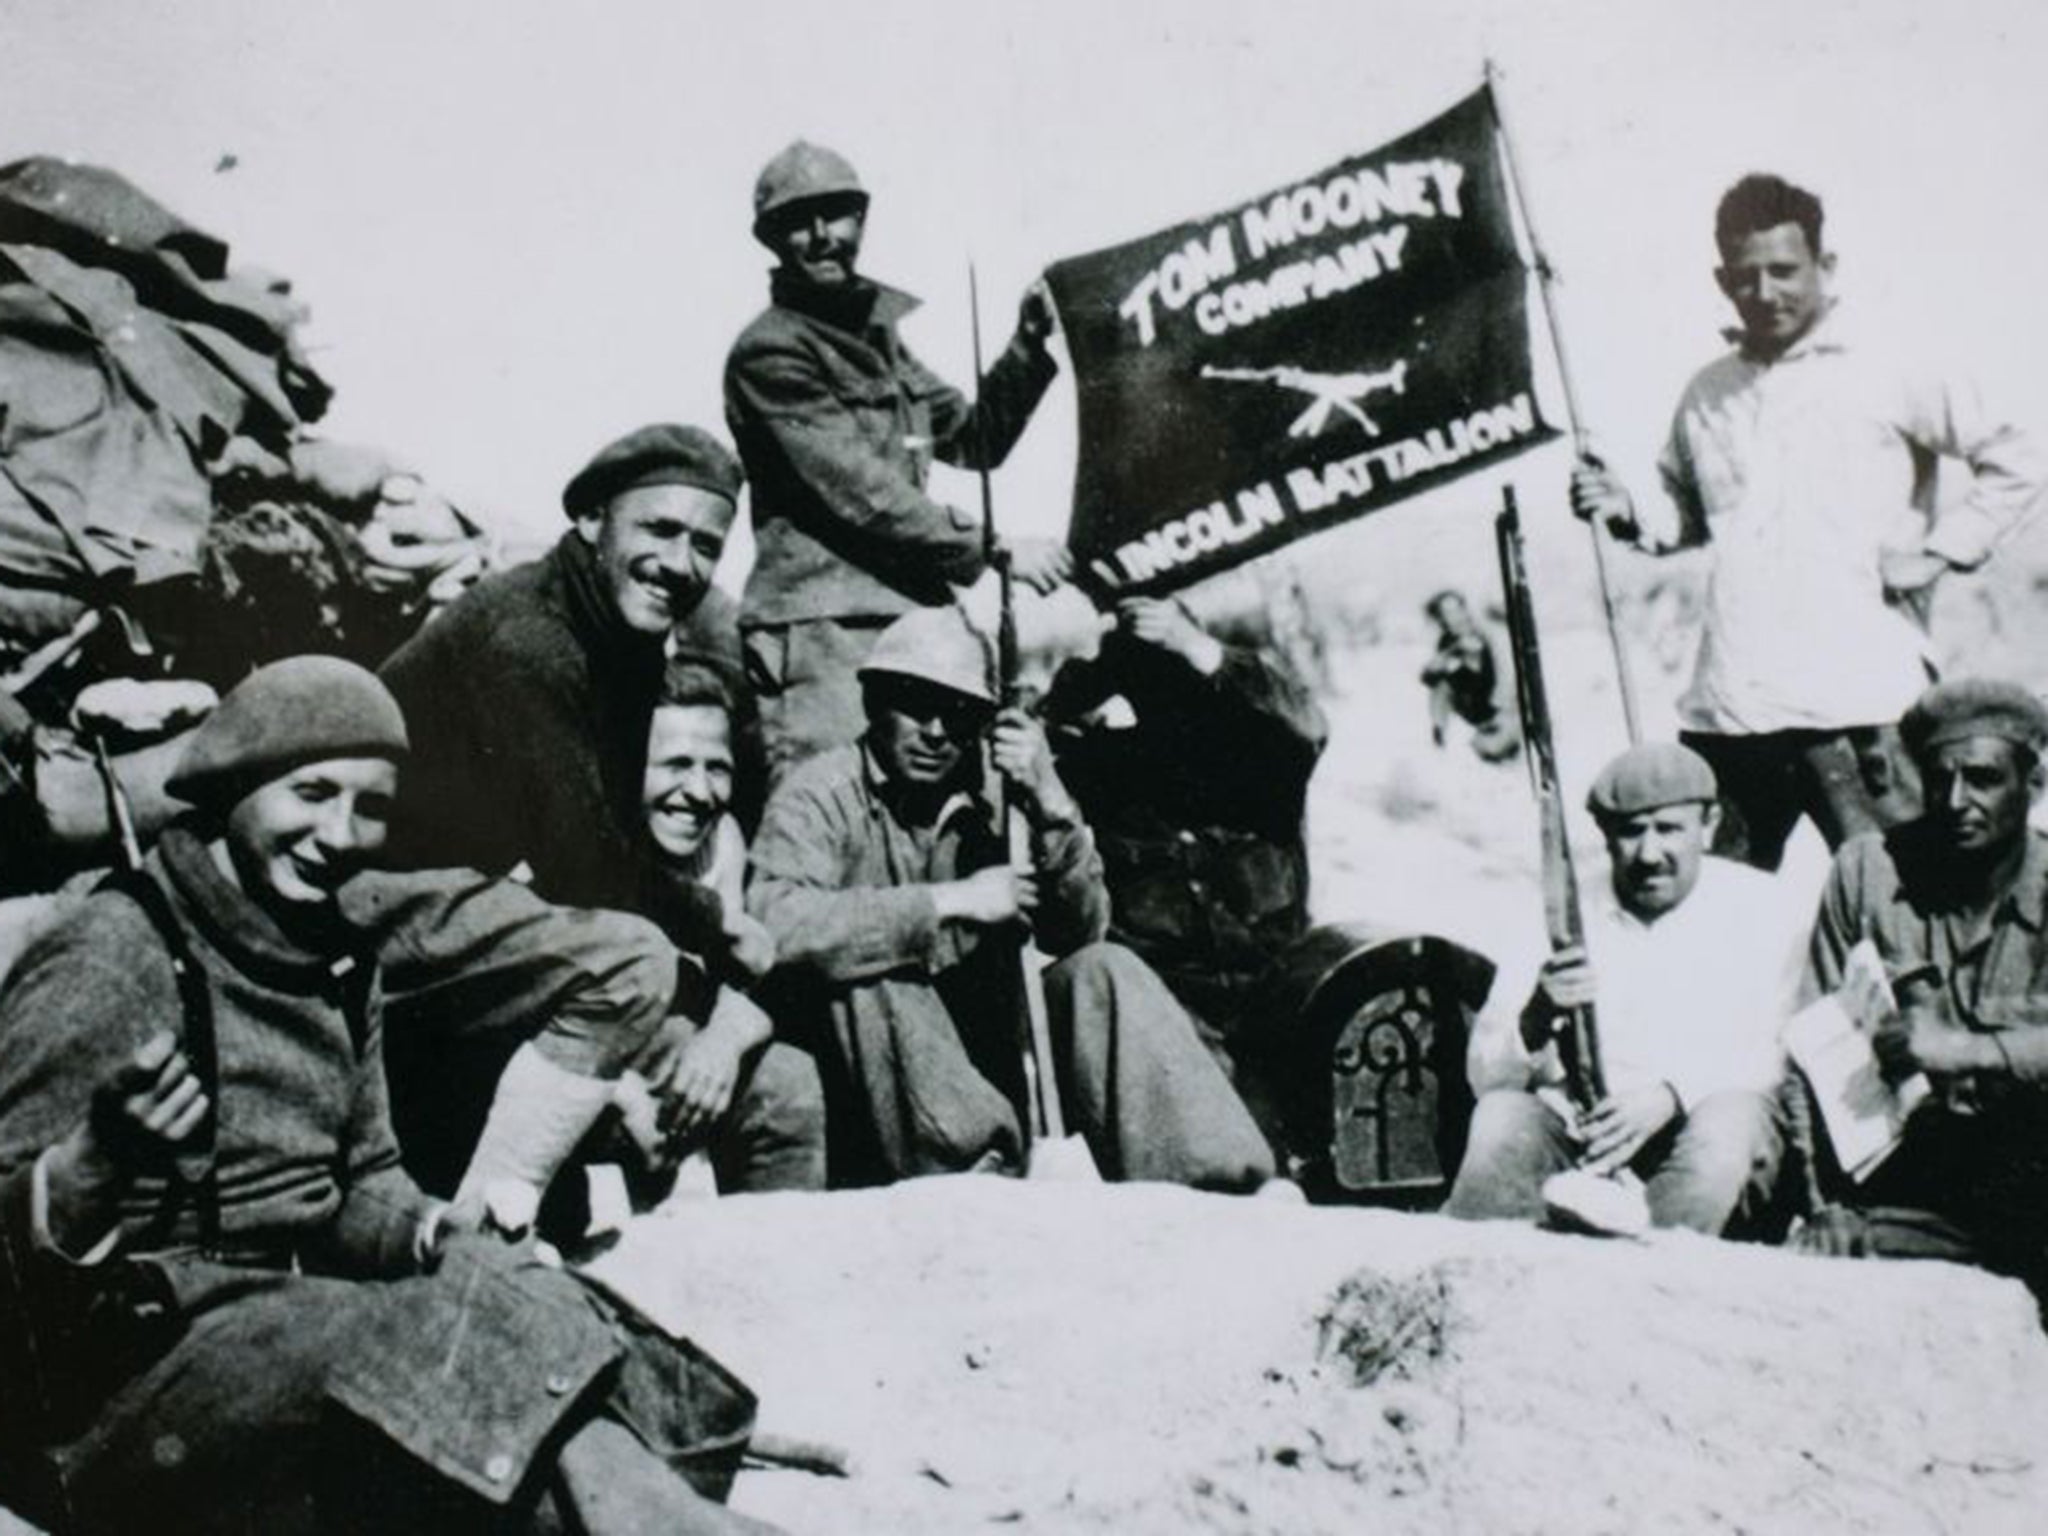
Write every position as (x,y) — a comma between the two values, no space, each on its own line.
(1069,767)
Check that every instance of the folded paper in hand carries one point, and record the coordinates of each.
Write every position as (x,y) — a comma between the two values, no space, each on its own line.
(1830,1042)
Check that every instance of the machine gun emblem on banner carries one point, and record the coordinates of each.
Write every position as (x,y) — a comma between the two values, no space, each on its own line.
(1328,393)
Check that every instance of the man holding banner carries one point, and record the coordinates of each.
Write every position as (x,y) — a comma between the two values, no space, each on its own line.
(837,424)
(1807,455)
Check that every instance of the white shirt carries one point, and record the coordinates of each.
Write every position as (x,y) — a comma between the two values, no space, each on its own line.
(1802,471)
(1696,999)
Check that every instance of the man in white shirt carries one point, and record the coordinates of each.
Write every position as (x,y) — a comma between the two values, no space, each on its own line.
(1808,455)
(1687,966)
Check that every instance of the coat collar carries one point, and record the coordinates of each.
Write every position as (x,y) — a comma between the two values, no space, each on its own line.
(233,924)
(1828,335)
(592,615)
(2028,899)
(865,306)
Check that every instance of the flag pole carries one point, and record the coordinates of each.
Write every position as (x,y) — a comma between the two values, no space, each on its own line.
(1581,438)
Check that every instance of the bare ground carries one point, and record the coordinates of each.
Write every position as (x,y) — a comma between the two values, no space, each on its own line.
(1065,1358)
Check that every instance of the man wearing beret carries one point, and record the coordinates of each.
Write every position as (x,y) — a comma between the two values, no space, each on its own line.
(838,424)
(1807,458)
(529,699)
(1956,904)
(1686,964)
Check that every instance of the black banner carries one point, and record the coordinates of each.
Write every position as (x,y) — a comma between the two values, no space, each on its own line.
(1310,356)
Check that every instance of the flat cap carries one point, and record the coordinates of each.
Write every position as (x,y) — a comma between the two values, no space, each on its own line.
(1974,706)
(304,709)
(663,454)
(937,646)
(1650,776)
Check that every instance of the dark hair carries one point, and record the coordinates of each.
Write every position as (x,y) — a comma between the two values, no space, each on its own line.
(1759,202)
(1438,599)
(689,681)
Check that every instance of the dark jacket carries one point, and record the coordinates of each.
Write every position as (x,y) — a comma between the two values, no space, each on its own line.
(837,424)
(301,1364)
(1198,808)
(528,704)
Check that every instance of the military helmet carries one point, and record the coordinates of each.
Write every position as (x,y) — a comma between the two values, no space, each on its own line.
(803,172)
(937,646)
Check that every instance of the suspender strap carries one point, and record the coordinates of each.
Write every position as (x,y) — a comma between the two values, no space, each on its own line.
(202,1048)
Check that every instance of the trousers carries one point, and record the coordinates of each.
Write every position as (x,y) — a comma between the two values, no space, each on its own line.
(925,1070)
(1848,781)
(1718,1157)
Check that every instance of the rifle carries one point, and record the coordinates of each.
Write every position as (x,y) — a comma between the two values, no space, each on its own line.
(1577,1037)
(120,819)
(1041,1086)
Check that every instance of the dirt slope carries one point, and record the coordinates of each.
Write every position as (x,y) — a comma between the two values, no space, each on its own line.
(1080,1359)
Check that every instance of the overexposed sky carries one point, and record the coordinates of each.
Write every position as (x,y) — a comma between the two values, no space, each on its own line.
(523,226)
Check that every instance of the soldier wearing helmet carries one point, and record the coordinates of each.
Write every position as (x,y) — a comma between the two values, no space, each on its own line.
(837,424)
(886,885)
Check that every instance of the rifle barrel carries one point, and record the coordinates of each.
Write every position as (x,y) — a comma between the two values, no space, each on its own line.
(1563,919)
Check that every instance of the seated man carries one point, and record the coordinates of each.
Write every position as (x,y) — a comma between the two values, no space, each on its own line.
(529,698)
(1686,973)
(1956,904)
(223,1306)
(715,1072)
(895,915)
(1190,759)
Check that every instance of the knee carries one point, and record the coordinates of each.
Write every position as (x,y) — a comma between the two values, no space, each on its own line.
(1734,1130)
(629,980)
(786,1089)
(1101,969)
(1507,1114)
(1090,964)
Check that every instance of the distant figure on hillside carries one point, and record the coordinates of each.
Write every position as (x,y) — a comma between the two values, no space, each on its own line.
(1807,455)
(1466,680)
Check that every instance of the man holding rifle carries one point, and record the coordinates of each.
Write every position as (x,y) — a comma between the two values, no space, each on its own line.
(885,884)
(1692,972)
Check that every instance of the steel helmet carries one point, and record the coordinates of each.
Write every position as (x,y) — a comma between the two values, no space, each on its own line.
(938,646)
(800,173)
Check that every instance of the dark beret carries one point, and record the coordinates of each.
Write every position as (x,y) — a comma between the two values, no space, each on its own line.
(1650,776)
(664,454)
(304,709)
(1974,706)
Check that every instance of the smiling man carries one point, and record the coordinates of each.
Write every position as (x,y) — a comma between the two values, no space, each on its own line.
(529,699)
(1687,967)
(1807,456)
(1956,904)
(838,424)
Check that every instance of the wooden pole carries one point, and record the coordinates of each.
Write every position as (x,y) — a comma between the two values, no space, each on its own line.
(1581,438)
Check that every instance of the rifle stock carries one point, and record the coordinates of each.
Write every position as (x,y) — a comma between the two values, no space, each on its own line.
(1578,1037)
